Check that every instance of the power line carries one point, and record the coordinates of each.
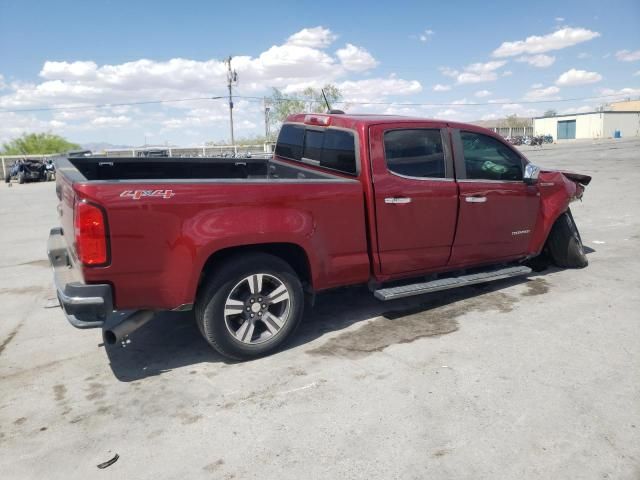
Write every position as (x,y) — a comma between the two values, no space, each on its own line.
(342,102)
(105,105)
(454,104)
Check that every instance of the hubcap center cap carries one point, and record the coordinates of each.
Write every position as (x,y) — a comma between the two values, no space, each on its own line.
(255,308)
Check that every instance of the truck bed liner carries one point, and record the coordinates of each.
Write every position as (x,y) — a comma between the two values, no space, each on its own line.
(180,168)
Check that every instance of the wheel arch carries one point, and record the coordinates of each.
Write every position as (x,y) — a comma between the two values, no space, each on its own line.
(292,253)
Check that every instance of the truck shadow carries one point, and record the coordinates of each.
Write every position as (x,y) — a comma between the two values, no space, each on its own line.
(172,340)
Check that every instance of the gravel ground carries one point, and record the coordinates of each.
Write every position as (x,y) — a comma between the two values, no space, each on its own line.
(523,378)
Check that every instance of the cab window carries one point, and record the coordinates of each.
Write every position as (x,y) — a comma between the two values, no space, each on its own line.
(330,148)
(486,158)
(415,153)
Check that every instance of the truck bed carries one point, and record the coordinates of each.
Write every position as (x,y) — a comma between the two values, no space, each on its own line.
(193,168)
(167,216)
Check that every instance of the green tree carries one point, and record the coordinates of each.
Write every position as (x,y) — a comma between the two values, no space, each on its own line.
(38,143)
(309,100)
(514,121)
(550,113)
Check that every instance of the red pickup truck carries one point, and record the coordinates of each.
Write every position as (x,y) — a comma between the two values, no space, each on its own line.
(407,205)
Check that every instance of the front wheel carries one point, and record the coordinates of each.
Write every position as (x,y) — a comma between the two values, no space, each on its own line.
(251,306)
(21,178)
(565,245)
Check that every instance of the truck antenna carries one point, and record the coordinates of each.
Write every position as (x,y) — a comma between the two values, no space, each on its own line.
(326,101)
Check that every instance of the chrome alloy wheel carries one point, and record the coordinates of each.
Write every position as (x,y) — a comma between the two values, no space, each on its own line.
(257,308)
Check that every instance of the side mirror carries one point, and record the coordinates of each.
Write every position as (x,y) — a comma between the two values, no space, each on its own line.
(531,173)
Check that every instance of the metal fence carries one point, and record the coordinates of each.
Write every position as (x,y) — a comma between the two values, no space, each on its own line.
(203,151)
(514,131)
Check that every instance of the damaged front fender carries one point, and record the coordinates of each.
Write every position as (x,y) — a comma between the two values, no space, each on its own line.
(557,189)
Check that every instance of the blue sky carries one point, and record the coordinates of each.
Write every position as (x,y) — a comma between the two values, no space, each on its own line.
(442,55)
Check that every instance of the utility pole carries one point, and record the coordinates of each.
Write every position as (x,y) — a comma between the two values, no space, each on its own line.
(232,79)
(267,109)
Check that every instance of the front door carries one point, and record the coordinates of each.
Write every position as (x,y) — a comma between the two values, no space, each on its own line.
(415,196)
(498,210)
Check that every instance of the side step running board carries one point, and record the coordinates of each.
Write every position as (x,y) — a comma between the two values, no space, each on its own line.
(392,293)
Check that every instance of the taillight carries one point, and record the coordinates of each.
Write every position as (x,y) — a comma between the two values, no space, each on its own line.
(91,234)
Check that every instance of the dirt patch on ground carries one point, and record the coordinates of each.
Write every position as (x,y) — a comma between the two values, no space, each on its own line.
(214,466)
(59,392)
(430,319)
(538,286)
(9,338)
(36,263)
(33,263)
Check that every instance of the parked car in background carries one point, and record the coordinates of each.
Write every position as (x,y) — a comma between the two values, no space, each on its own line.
(27,171)
(406,205)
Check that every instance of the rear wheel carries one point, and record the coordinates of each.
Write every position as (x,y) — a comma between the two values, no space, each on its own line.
(21,178)
(565,245)
(250,307)
(7,178)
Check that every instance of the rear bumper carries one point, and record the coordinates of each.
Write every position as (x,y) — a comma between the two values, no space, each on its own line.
(85,306)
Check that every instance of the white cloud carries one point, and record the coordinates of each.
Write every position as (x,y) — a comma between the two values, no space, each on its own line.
(627,92)
(582,109)
(302,60)
(520,110)
(104,121)
(57,124)
(426,35)
(372,89)
(539,61)
(536,85)
(438,87)
(628,55)
(449,113)
(559,19)
(562,38)
(549,93)
(482,93)
(637,74)
(69,70)
(356,59)
(507,73)
(578,77)
(583,55)
(316,37)
(3,84)
(448,71)
(480,72)
(511,107)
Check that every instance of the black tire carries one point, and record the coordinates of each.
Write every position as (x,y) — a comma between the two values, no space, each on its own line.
(565,245)
(7,178)
(21,178)
(212,297)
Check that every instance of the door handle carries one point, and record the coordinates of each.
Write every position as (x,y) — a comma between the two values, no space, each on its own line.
(475,199)
(395,200)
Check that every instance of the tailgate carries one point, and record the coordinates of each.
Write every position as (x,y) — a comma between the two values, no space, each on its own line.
(66,200)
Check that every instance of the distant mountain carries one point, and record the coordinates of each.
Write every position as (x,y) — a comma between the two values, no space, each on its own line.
(100,146)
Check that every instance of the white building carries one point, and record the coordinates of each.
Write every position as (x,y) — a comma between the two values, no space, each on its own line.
(606,124)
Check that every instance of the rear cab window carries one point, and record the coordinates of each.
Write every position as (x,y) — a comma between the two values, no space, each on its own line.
(415,152)
(330,148)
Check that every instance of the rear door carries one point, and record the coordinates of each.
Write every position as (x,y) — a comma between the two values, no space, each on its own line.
(497,209)
(415,196)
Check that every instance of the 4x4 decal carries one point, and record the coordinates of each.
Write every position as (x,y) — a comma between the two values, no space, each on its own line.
(138,194)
